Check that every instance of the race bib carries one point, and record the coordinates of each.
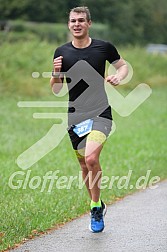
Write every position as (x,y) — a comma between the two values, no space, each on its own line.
(83,128)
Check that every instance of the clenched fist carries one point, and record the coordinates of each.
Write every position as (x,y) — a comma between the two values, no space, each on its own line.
(113,79)
(58,64)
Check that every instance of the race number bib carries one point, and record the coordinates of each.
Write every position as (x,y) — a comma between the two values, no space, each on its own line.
(83,128)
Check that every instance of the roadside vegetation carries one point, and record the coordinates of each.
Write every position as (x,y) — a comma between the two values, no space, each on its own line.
(138,144)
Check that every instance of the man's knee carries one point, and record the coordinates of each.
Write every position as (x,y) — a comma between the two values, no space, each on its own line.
(92,162)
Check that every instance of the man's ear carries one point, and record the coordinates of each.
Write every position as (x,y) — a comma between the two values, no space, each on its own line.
(90,23)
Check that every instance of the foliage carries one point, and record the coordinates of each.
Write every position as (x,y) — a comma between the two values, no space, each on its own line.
(130,22)
(57,33)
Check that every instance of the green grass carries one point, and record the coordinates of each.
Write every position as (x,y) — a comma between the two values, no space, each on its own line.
(138,143)
(19,60)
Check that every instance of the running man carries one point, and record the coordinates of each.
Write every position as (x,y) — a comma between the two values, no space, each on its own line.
(89,113)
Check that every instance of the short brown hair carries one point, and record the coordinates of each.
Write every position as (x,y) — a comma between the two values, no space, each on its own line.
(82,9)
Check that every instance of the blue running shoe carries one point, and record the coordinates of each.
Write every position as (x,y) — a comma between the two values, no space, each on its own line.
(104,208)
(97,221)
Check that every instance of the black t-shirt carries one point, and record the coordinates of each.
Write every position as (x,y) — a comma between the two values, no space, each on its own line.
(86,68)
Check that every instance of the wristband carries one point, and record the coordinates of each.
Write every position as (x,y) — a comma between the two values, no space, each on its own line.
(56,74)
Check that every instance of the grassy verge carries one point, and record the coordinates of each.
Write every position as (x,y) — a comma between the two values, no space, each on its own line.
(137,145)
(19,60)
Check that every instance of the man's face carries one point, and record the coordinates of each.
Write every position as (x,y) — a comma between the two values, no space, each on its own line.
(78,24)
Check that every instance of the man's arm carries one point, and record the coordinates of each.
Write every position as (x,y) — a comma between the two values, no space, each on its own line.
(121,73)
(56,79)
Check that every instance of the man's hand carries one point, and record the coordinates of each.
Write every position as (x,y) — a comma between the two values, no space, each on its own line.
(55,81)
(121,72)
(58,64)
(113,79)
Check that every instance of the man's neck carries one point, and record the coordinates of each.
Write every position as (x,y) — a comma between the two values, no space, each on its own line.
(82,43)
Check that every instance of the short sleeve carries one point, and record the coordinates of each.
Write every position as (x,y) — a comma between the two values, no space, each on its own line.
(57,53)
(112,53)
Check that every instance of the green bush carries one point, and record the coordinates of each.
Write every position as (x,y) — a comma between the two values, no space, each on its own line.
(44,31)
(14,37)
(51,32)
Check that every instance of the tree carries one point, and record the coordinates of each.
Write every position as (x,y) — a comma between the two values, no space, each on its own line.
(139,21)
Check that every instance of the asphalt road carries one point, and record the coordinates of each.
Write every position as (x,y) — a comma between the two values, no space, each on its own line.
(138,223)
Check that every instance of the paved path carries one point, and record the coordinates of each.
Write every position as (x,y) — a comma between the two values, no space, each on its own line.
(138,223)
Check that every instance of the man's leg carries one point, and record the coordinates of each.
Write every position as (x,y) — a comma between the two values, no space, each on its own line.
(94,145)
(88,158)
(92,154)
(85,173)
(90,167)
